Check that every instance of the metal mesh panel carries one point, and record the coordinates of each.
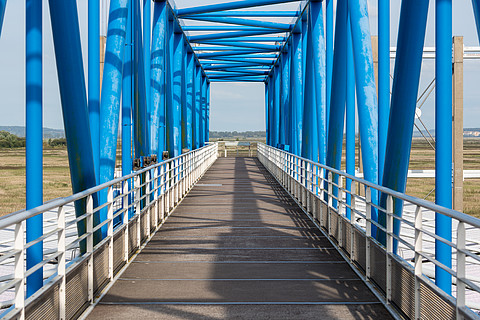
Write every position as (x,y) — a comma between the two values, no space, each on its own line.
(76,290)
(143,226)
(403,289)
(378,265)
(347,238)
(100,267)
(153,212)
(325,216)
(118,250)
(44,307)
(433,306)
(334,224)
(360,249)
(132,236)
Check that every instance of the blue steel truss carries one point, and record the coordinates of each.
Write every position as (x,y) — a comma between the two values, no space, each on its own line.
(156,86)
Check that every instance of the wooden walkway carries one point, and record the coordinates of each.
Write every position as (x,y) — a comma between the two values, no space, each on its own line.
(238,247)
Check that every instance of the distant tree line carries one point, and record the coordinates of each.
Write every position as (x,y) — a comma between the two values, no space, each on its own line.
(235,134)
(8,140)
(62,142)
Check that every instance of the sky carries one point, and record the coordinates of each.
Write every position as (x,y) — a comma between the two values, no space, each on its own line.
(234,106)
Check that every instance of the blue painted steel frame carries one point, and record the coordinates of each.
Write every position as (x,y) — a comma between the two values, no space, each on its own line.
(34,138)
(94,79)
(3,5)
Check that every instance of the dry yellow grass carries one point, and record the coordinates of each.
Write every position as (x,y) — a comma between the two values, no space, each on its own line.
(12,177)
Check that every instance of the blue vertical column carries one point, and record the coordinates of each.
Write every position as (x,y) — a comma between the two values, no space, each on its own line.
(366,92)
(176,141)
(270,108)
(339,82)
(170,145)
(147,32)
(158,72)
(310,135)
(190,99)
(277,106)
(267,120)
(319,60)
(443,139)
(94,79)
(329,54)
(383,81)
(285,98)
(140,112)
(297,106)
(110,101)
(183,109)
(350,117)
(281,122)
(201,122)
(408,63)
(73,93)
(127,86)
(204,109)
(198,97)
(207,130)
(34,134)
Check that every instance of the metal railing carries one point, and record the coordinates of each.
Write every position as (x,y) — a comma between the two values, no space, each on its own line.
(399,281)
(146,197)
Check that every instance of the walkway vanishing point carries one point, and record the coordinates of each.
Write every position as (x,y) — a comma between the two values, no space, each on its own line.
(238,247)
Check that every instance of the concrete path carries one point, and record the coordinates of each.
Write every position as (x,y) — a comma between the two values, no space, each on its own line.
(238,247)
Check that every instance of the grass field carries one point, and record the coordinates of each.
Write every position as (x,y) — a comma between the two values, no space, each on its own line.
(57,175)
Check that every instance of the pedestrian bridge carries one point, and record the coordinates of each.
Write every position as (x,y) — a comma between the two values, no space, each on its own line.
(208,237)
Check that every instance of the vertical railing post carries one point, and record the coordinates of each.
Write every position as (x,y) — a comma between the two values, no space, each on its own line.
(147,202)
(19,273)
(126,209)
(368,199)
(389,252)
(138,207)
(110,232)
(352,219)
(329,207)
(339,210)
(156,192)
(461,272)
(89,222)
(61,269)
(418,260)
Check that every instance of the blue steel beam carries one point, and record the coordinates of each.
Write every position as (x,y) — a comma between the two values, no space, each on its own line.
(286,96)
(183,108)
(243,22)
(190,99)
(232,53)
(443,139)
(111,94)
(71,79)
(3,5)
(319,59)
(94,79)
(297,93)
(329,53)
(383,81)
(252,39)
(350,117)
(261,61)
(174,121)
(243,56)
(310,126)
(233,65)
(127,163)
(476,12)
(366,92)
(158,72)
(240,80)
(147,32)
(223,28)
(229,6)
(265,14)
(338,94)
(408,63)
(34,134)
(206,49)
(207,129)
(140,112)
(204,110)
(243,44)
(230,35)
(276,107)
(198,72)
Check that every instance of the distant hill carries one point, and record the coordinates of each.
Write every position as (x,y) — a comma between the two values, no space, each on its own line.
(235,134)
(48,133)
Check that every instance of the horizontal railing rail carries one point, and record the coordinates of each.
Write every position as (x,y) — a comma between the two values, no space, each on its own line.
(403,282)
(136,206)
